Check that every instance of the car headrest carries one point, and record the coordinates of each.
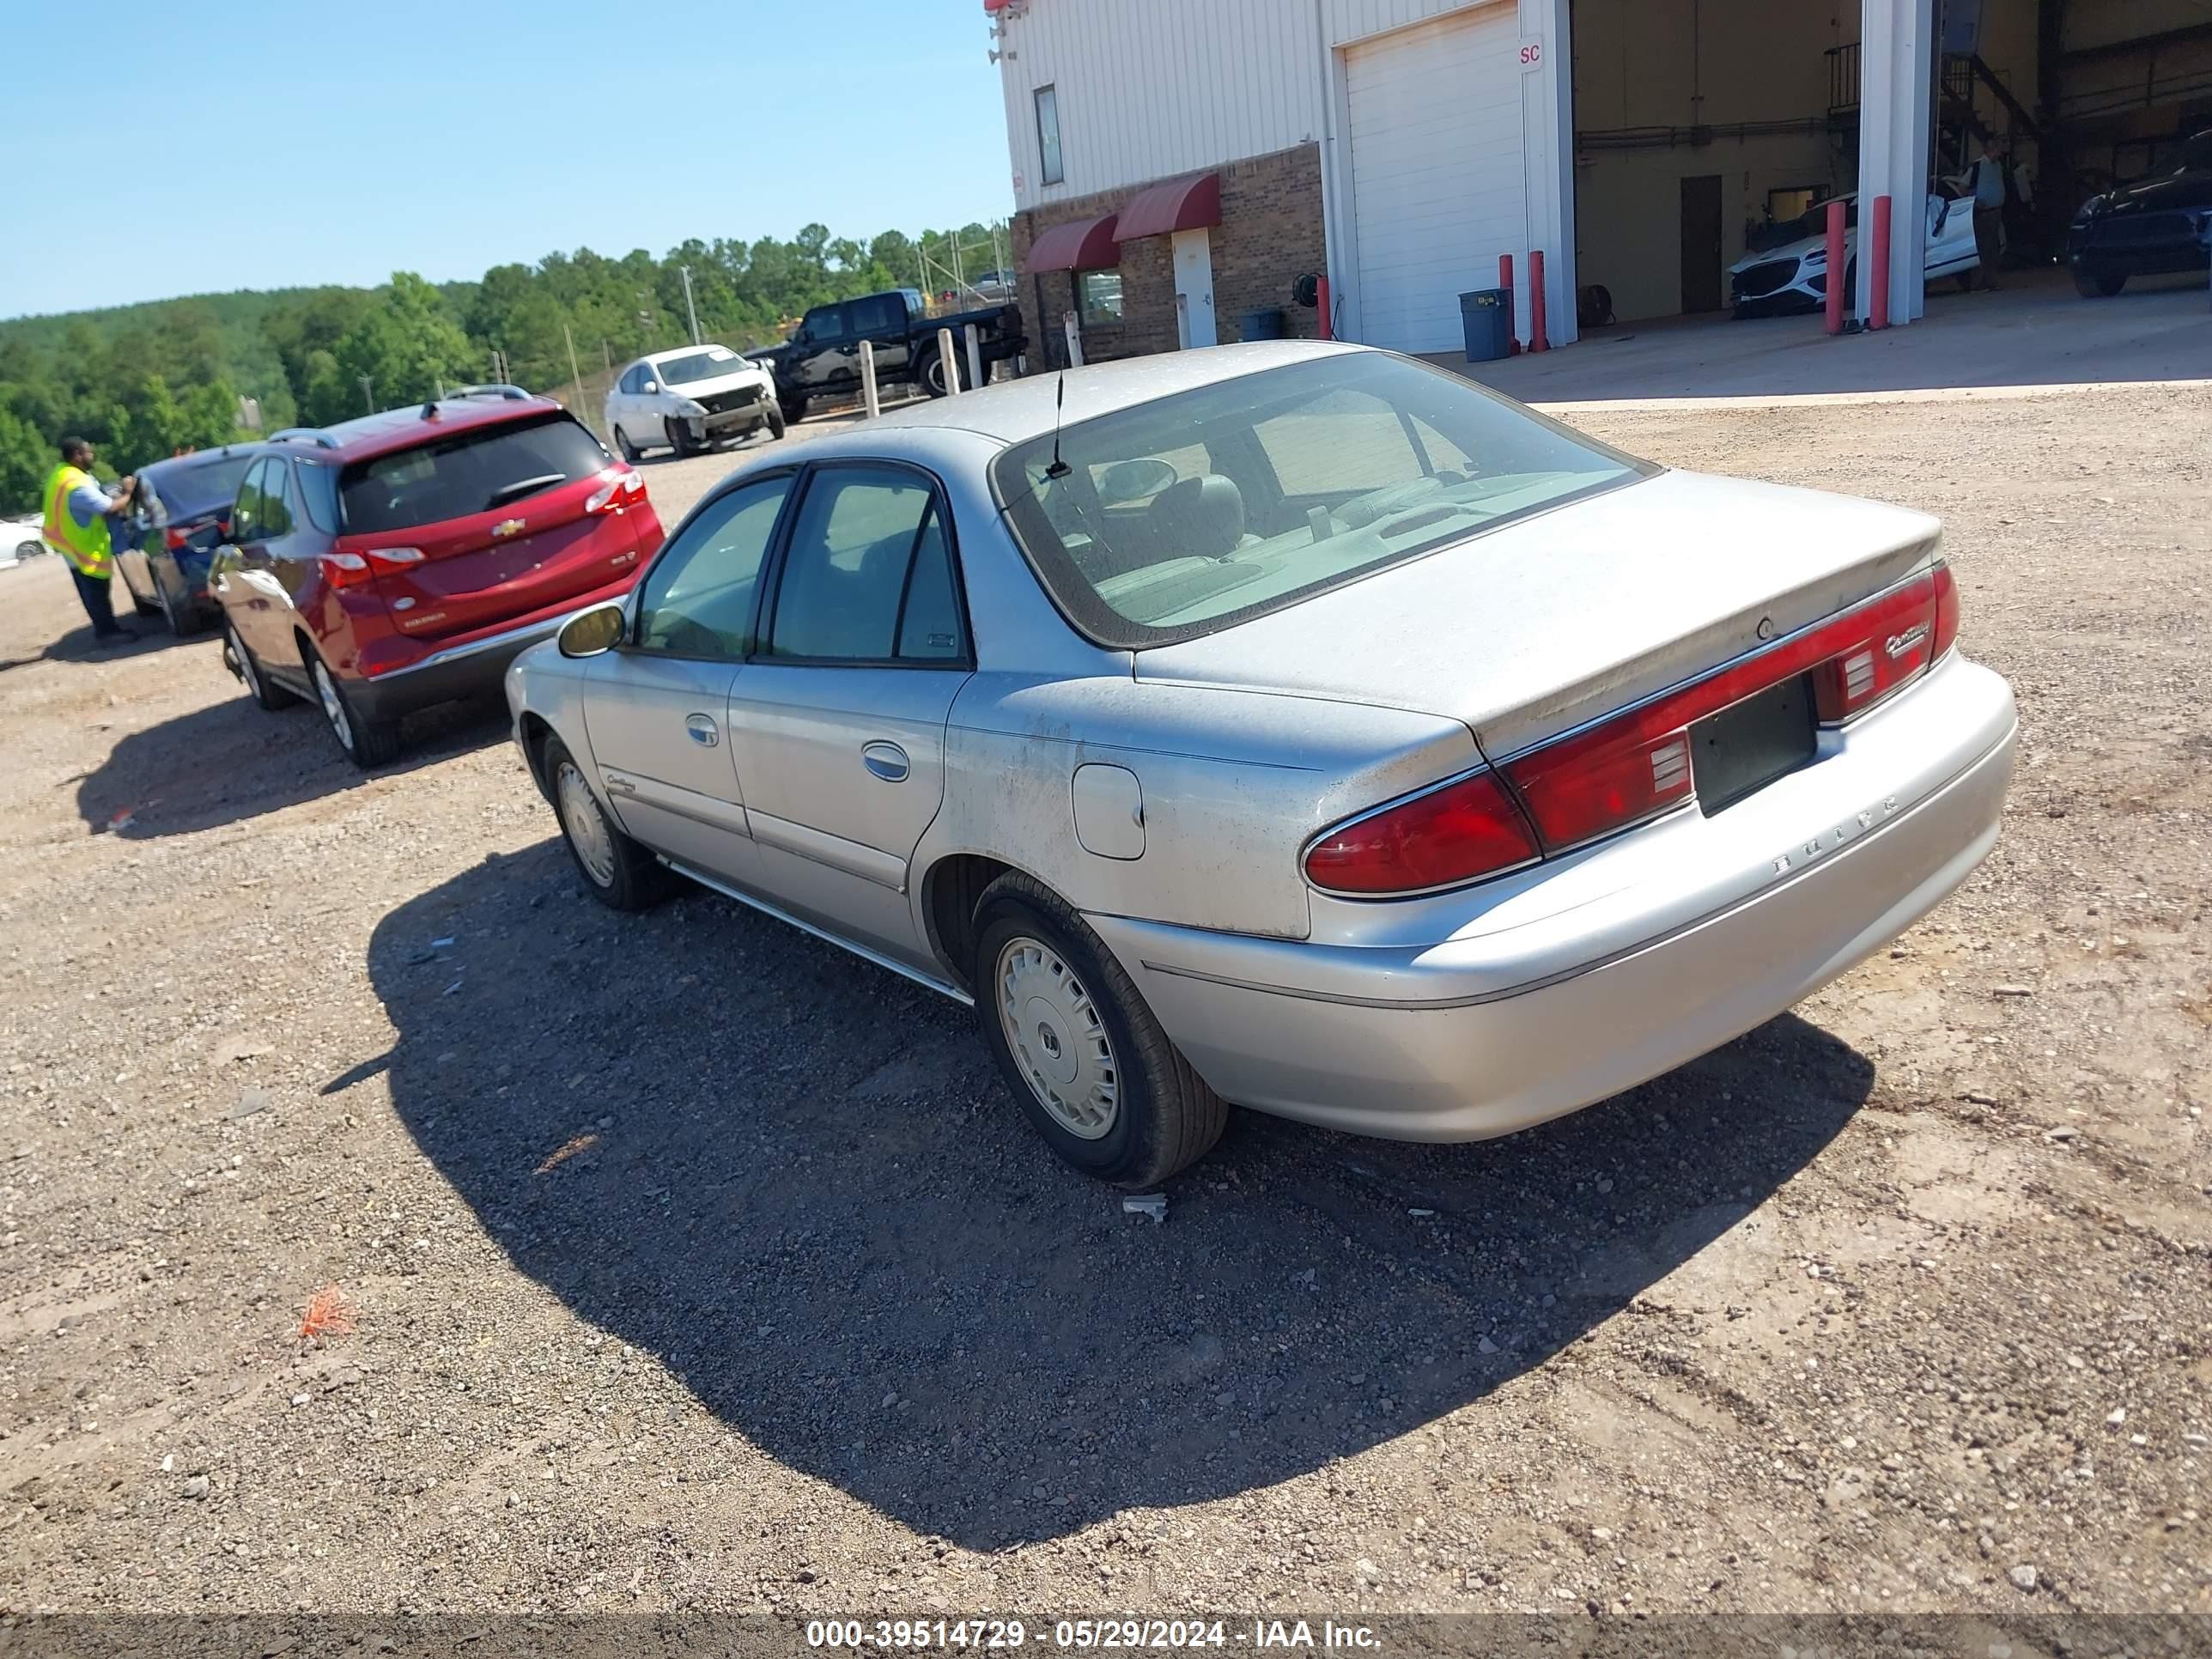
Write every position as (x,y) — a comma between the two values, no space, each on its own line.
(1203,515)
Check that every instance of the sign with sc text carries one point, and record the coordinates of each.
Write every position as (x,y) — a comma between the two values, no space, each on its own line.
(1532,53)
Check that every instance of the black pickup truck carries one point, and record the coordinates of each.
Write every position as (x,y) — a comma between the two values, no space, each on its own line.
(821,359)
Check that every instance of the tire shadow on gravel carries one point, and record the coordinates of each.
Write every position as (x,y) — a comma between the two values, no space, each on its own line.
(796,1180)
(229,760)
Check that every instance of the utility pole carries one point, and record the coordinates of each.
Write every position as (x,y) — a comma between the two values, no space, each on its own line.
(574,373)
(368,392)
(689,310)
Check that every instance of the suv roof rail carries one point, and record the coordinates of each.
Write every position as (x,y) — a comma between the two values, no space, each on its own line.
(498,389)
(306,435)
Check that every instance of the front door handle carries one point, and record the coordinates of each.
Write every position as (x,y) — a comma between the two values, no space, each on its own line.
(703,730)
(886,760)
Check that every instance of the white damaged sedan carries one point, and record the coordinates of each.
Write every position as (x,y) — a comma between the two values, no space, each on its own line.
(1287,725)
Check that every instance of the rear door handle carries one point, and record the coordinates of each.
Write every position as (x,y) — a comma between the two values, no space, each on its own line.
(886,760)
(703,730)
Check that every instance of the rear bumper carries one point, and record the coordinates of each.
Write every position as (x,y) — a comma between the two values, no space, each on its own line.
(1609,968)
(470,667)
(2142,258)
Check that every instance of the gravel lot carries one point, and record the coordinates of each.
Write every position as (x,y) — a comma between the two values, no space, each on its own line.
(695,1264)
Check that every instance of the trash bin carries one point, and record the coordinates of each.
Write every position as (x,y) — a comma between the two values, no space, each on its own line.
(1486,314)
(1263,323)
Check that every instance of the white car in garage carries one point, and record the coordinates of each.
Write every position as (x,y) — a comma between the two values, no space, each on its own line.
(1794,276)
(690,398)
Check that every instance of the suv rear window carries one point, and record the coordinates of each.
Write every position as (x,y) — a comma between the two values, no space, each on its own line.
(471,472)
(187,488)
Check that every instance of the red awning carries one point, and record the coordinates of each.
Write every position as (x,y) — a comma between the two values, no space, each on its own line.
(1178,205)
(1079,245)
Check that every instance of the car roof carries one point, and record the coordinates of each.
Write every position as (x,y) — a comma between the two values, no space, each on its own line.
(200,458)
(1016,410)
(674,352)
(368,435)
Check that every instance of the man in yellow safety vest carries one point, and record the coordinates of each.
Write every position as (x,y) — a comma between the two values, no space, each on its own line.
(77,511)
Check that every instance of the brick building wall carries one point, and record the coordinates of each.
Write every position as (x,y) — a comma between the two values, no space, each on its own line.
(1270,231)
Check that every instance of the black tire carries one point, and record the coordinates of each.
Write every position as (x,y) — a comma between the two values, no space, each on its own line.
(625,448)
(183,620)
(1162,1117)
(794,407)
(679,442)
(929,374)
(775,422)
(265,691)
(620,873)
(2098,285)
(368,744)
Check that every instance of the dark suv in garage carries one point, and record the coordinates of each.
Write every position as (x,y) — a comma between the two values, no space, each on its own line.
(2157,225)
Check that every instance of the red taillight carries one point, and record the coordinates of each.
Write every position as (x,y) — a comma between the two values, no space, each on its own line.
(617,485)
(1637,764)
(1886,644)
(176,536)
(1449,835)
(345,569)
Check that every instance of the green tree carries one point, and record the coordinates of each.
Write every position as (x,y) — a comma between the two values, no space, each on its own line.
(406,346)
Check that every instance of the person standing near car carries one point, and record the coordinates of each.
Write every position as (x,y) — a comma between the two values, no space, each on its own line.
(77,511)
(1986,179)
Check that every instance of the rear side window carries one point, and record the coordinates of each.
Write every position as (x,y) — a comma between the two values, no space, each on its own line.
(246,515)
(191,488)
(475,472)
(276,516)
(865,555)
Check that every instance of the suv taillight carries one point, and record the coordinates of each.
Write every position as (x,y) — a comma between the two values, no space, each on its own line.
(1633,766)
(617,485)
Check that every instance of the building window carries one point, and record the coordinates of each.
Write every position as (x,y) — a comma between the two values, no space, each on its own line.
(1047,112)
(1099,297)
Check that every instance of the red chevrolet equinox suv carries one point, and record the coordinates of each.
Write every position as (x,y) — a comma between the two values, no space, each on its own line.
(386,563)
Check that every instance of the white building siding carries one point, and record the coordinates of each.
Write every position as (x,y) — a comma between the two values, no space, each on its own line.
(1149,88)
(1355,19)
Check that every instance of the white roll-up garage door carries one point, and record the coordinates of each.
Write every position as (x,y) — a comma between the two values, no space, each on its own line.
(1437,182)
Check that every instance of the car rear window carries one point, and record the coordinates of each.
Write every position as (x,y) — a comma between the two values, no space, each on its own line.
(1176,517)
(189,487)
(470,473)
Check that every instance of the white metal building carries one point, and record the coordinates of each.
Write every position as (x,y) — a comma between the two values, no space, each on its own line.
(1433,136)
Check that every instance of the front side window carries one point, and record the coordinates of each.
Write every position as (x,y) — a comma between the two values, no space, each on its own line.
(825,326)
(481,469)
(1313,474)
(1048,119)
(633,379)
(698,599)
(868,577)
(1099,296)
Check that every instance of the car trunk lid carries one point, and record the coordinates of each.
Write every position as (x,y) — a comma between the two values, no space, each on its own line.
(1554,620)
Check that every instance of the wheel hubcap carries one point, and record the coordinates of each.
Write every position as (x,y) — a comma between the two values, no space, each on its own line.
(586,825)
(333,707)
(1057,1038)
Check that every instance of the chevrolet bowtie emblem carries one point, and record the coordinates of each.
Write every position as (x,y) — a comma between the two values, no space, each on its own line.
(507,527)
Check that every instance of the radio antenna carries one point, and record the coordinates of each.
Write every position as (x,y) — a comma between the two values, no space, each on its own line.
(1058,469)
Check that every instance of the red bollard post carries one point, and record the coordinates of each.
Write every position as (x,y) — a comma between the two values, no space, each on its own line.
(1835,295)
(1322,330)
(1536,340)
(1878,287)
(1506,282)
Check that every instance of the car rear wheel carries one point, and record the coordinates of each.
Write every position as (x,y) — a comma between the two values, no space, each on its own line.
(367,743)
(2097,285)
(1098,1077)
(621,874)
(265,692)
(624,447)
(180,618)
(931,373)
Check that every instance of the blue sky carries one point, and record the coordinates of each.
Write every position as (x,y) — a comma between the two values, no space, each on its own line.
(304,143)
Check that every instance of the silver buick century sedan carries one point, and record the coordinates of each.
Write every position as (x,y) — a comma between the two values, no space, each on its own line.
(1292,726)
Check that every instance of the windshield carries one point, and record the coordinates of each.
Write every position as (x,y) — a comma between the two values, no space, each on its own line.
(709,364)
(471,472)
(1184,515)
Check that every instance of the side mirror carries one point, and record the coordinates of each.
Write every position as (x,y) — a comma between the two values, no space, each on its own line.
(650,385)
(599,629)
